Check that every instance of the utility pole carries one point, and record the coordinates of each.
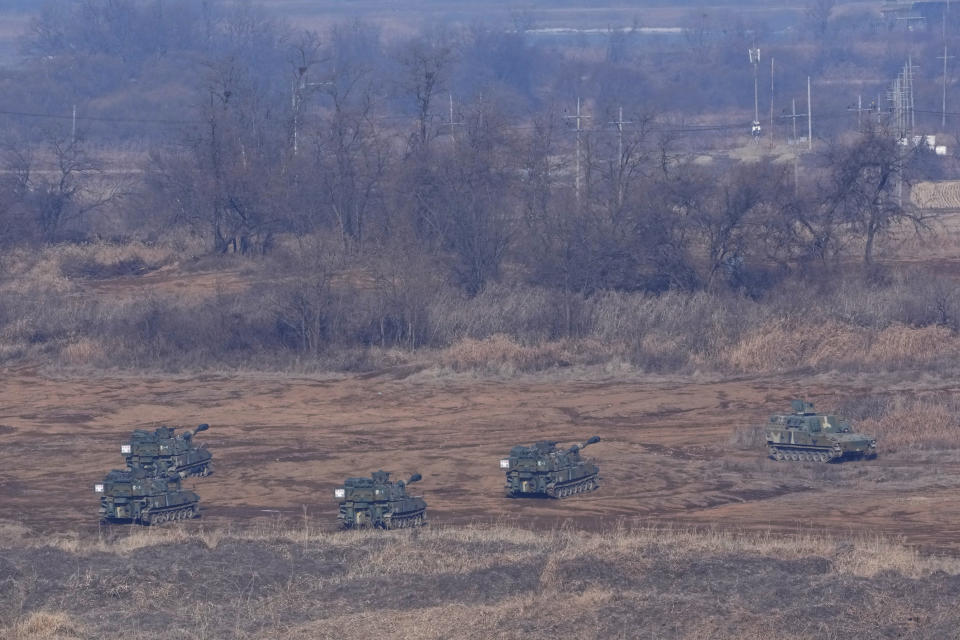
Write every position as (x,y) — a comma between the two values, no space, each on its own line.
(620,122)
(796,160)
(896,102)
(754,54)
(809,118)
(859,109)
(771,100)
(901,96)
(913,122)
(451,123)
(943,104)
(296,100)
(943,100)
(73,127)
(578,118)
(794,115)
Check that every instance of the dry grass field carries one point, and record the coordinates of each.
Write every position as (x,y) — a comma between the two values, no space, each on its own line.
(295,581)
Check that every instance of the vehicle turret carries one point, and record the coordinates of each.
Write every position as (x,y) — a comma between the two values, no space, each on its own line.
(163,450)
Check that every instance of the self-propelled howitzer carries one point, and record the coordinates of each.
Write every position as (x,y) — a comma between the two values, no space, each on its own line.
(543,469)
(815,437)
(163,451)
(136,496)
(378,502)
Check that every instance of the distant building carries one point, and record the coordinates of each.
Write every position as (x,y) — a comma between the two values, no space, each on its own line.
(909,14)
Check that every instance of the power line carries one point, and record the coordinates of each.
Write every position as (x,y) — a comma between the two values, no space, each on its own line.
(72,117)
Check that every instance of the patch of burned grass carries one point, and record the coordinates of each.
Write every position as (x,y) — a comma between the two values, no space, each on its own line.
(282,580)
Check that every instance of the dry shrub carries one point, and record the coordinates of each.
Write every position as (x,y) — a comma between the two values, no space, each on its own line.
(915,423)
(784,345)
(82,351)
(29,270)
(899,344)
(870,556)
(503,355)
(12,533)
(47,625)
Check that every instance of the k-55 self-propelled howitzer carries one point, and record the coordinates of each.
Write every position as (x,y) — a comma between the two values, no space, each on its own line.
(815,437)
(163,451)
(378,502)
(542,469)
(136,496)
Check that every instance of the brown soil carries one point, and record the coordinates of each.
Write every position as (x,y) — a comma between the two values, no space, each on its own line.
(281,444)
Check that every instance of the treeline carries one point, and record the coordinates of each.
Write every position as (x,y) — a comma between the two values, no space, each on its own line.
(133,61)
(378,204)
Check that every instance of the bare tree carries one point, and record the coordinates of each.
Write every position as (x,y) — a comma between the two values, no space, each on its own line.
(58,184)
(426,65)
(467,205)
(866,188)
(350,156)
(818,15)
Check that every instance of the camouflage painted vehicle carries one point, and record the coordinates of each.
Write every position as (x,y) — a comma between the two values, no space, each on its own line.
(378,502)
(163,451)
(544,470)
(142,498)
(806,435)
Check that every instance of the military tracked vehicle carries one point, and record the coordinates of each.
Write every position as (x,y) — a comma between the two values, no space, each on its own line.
(163,451)
(815,437)
(378,502)
(135,496)
(544,470)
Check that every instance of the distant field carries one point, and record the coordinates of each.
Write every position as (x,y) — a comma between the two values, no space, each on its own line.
(944,194)
(407,15)
(404,18)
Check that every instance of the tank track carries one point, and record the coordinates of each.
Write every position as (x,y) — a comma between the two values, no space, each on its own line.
(803,454)
(406,520)
(184,512)
(200,470)
(585,484)
(396,521)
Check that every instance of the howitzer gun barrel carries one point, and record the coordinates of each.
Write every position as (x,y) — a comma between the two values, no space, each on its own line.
(202,427)
(415,478)
(583,445)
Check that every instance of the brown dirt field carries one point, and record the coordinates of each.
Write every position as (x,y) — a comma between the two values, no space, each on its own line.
(282,443)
